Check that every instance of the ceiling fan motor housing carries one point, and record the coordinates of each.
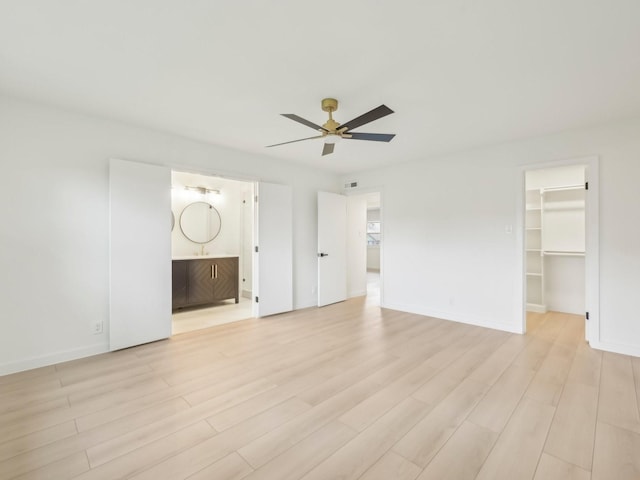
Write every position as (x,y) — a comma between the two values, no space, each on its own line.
(329,104)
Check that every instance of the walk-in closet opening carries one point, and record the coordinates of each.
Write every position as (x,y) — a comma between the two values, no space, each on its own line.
(555,241)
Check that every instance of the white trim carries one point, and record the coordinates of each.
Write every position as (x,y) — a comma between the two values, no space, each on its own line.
(467,319)
(52,359)
(359,293)
(592,249)
(534,307)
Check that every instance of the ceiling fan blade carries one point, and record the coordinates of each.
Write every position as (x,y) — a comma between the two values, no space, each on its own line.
(375,137)
(294,141)
(375,114)
(301,120)
(328,148)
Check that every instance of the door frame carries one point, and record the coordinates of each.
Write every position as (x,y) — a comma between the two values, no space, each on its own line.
(380,191)
(592,250)
(238,178)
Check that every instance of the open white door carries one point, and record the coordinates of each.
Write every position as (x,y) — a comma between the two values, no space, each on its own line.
(356,245)
(332,248)
(274,288)
(140,253)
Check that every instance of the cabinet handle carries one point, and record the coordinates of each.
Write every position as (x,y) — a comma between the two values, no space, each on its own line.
(212,272)
(216,270)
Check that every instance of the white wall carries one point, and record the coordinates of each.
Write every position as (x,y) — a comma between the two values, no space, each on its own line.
(447,250)
(555,177)
(373,258)
(564,283)
(54,207)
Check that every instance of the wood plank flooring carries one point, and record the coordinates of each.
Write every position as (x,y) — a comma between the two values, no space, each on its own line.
(348,391)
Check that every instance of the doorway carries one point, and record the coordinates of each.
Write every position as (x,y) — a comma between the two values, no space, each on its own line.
(559,231)
(374,247)
(222,232)
(364,234)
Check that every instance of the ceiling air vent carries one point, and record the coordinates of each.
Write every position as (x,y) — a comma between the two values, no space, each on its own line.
(351,185)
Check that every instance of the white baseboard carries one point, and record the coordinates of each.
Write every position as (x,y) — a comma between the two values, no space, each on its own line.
(456,317)
(359,293)
(537,308)
(46,360)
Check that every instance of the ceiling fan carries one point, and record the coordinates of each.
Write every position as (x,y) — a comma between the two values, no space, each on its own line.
(333,132)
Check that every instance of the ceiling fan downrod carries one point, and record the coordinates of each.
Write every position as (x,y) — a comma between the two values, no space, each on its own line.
(330,105)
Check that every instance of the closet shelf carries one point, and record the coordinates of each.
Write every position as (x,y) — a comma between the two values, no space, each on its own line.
(534,274)
(554,208)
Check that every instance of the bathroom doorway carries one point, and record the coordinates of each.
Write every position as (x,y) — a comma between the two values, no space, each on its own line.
(212,242)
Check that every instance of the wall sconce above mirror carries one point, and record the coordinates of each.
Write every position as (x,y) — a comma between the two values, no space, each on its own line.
(203,190)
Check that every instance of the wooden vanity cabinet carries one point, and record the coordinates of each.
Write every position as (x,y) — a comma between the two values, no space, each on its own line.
(179,283)
(204,280)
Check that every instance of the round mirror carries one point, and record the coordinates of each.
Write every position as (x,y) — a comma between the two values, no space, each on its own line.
(200,222)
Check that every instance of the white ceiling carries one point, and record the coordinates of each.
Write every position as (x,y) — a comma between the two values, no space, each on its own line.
(458,73)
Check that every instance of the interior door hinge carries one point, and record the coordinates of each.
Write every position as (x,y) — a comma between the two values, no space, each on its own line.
(586,185)
(256,249)
(256,299)
(587,316)
(256,198)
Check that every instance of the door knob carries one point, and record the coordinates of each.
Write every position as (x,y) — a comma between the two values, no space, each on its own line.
(323,254)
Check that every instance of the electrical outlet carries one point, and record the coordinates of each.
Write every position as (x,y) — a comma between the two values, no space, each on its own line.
(97,327)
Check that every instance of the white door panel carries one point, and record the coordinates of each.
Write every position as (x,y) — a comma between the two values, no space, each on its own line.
(332,248)
(356,245)
(275,249)
(140,253)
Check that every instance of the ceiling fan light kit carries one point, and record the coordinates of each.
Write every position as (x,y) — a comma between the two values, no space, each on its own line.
(332,132)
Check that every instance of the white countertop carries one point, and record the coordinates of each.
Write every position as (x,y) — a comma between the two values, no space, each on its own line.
(203,257)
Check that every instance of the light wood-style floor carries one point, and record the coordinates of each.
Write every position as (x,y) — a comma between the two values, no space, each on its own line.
(188,320)
(348,391)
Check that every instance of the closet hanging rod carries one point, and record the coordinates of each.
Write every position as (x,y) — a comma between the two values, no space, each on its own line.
(565,254)
(563,187)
